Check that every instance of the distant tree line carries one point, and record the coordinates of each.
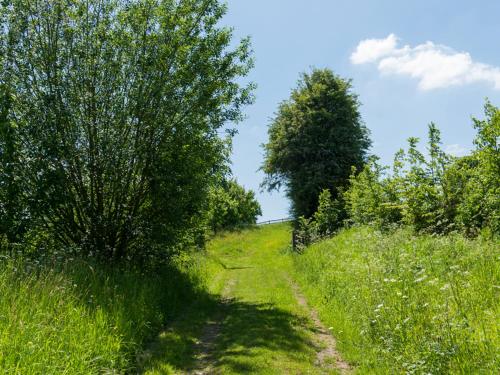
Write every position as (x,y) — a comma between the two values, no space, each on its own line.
(110,121)
(231,206)
(317,151)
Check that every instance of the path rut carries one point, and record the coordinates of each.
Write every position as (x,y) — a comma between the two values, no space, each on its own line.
(205,362)
(327,357)
(258,323)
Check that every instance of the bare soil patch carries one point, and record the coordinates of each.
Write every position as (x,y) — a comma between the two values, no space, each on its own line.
(327,357)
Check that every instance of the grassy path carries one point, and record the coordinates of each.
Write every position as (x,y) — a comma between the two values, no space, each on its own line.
(257,323)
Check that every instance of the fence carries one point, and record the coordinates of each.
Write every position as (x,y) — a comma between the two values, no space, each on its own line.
(275,221)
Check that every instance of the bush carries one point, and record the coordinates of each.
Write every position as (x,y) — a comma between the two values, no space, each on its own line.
(230,206)
(325,222)
(434,194)
(371,198)
(330,214)
(478,201)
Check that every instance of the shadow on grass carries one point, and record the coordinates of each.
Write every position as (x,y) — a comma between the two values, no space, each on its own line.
(243,331)
(250,328)
(162,317)
(226,267)
(139,304)
(101,315)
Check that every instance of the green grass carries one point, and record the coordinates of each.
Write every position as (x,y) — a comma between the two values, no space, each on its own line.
(405,304)
(263,329)
(395,302)
(84,318)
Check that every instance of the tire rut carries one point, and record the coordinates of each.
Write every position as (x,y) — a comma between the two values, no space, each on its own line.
(327,357)
(205,347)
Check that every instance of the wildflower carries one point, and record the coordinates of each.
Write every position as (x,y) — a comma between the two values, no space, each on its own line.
(421,279)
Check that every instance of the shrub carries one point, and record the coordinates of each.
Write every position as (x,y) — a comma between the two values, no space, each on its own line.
(330,214)
(371,198)
(231,206)
(434,194)
(478,201)
(325,222)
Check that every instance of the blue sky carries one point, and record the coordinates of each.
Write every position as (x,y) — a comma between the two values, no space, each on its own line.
(411,62)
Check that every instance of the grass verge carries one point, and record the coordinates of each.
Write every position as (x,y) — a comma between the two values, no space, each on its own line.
(403,303)
(85,318)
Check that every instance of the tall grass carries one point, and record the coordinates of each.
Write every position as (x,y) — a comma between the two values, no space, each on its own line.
(404,304)
(86,318)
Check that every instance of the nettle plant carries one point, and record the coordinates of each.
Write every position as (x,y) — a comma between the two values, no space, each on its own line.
(424,193)
(433,192)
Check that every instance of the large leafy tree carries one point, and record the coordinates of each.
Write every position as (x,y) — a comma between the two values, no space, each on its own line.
(314,140)
(116,107)
(13,207)
(13,214)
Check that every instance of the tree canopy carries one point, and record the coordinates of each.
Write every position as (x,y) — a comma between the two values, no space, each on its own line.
(231,206)
(314,140)
(110,115)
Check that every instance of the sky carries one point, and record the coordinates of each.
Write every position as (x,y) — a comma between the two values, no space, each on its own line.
(411,62)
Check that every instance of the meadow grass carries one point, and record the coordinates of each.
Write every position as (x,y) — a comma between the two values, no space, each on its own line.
(86,318)
(399,303)
(396,303)
(263,329)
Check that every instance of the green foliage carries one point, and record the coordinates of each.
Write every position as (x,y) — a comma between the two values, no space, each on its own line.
(116,108)
(304,233)
(478,191)
(399,303)
(423,188)
(86,318)
(231,206)
(434,194)
(325,222)
(314,140)
(13,214)
(371,199)
(330,214)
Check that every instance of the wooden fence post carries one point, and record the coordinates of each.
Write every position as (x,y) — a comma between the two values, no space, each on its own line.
(294,240)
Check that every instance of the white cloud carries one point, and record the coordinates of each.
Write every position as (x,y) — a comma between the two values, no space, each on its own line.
(370,50)
(434,66)
(456,150)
